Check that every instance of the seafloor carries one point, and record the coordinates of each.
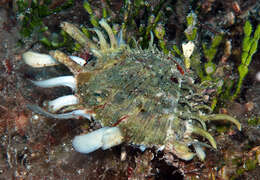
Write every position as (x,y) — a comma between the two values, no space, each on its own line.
(35,147)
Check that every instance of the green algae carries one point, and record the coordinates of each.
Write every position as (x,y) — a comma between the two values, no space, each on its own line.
(32,13)
(249,47)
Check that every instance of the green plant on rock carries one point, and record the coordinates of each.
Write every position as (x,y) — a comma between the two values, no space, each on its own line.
(254,121)
(89,10)
(31,15)
(191,35)
(210,53)
(249,47)
(206,71)
(152,14)
(159,33)
(191,30)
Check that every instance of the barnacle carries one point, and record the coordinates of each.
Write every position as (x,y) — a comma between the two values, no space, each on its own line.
(140,96)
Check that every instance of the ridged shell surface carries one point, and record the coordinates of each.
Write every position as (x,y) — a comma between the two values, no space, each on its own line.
(141,91)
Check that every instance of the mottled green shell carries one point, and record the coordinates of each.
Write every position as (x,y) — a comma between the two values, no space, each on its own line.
(145,93)
(141,91)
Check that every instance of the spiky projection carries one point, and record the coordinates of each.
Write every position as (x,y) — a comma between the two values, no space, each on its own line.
(142,97)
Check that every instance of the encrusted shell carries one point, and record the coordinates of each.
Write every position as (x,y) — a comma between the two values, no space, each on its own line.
(148,95)
(142,92)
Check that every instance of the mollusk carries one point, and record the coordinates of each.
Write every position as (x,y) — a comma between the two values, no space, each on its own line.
(140,96)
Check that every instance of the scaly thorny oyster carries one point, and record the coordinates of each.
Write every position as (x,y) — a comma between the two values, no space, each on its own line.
(140,96)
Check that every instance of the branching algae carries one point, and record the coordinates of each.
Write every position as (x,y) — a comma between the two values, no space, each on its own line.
(139,96)
(249,47)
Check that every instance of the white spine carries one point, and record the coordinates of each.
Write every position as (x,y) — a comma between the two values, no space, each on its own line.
(110,33)
(80,113)
(78,60)
(61,102)
(112,137)
(90,142)
(38,60)
(69,81)
(199,151)
(120,40)
(102,40)
(104,138)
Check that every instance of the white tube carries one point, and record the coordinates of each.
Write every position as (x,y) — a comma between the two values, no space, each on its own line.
(90,142)
(70,115)
(104,138)
(120,40)
(61,102)
(78,113)
(110,33)
(78,60)
(112,137)
(38,60)
(102,40)
(69,81)
(199,151)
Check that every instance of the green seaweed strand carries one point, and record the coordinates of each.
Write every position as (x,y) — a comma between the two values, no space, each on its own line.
(249,47)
